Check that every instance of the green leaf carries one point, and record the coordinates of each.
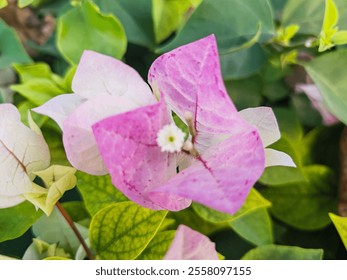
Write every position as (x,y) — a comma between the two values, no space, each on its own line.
(305,205)
(309,15)
(85,28)
(331,81)
(279,252)
(57,180)
(255,227)
(331,16)
(279,175)
(285,34)
(3,3)
(243,63)
(76,211)
(11,49)
(245,93)
(341,226)
(225,19)
(27,72)
(123,230)
(15,221)
(254,201)
(169,15)
(39,250)
(135,16)
(339,38)
(98,192)
(190,218)
(55,229)
(38,91)
(24,3)
(158,247)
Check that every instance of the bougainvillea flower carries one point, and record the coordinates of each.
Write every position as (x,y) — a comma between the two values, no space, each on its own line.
(230,152)
(23,151)
(225,155)
(317,101)
(189,244)
(102,87)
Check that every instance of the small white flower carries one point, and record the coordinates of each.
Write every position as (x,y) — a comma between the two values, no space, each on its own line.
(170,138)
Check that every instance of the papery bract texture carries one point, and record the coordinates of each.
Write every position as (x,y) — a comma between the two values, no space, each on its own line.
(190,80)
(103,86)
(22,152)
(189,244)
(127,143)
(231,155)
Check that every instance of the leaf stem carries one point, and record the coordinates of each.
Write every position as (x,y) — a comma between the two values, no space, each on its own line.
(342,204)
(75,230)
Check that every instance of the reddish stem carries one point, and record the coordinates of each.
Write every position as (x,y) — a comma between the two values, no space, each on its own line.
(75,230)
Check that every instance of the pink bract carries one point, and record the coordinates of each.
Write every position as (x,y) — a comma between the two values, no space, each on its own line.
(231,153)
(189,244)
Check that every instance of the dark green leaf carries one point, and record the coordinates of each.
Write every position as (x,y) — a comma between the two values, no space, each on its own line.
(16,220)
(11,49)
(305,205)
(279,252)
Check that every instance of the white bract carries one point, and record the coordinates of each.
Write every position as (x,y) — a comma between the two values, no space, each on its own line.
(170,138)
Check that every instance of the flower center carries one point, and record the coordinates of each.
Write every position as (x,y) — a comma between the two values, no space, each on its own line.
(170,138)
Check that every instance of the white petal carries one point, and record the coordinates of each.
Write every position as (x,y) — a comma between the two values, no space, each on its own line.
(98,74)
(265,121)
(59,107)
(275,158)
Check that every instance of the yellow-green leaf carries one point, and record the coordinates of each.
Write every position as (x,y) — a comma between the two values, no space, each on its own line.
(123,230)
(329,27)
(284,35)
(3,3)
(98,192)
(169,15)
(40,249)
(58,179)
(331,16)
(341,225)
(339,38)
(158,247)
(254,200)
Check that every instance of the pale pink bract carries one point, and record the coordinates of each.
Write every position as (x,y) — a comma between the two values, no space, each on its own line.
(231,152)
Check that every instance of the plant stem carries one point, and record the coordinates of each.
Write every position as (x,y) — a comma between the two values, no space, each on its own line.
(342,204)
(75,230)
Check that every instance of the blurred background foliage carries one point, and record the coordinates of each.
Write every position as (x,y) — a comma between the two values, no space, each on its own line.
(268,48)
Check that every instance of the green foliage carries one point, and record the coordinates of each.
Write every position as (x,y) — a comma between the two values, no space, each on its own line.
(253,202)
(254,226)
(15,221)
(341,226)
(331,81)
(170,15)
(55,230)
(85,28)
(279,252)
(3,3)
(98,192)
(11,50)
(135,16)
(305,204)
(231,31)
(158,246)
(309,15)
(123,230)
(39,250)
